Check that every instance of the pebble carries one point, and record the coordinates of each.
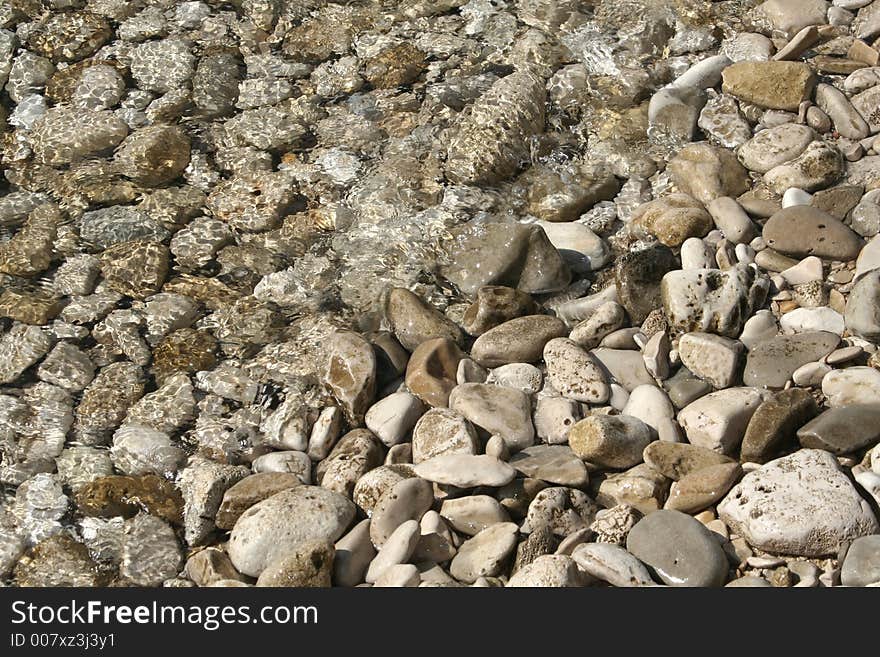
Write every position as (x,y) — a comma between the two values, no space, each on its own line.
(678,460)
(853,385)
(354,553)
(521,376)
(254,488)
(702,488)
(861,316)
(350,372)
(554,417)
(772,427)
(719,420)
(549,570)
(495,305)
(638,275)
(580,247)
(673,219)
(625,367)
(397,549)
(413,321)
(393,417)
(606,319)
(775,85)
(466,470)
(574,373)
(802,231)
(309,564)
(501,411)
(442,431)
(706,172)
(861,565)
(679,549)
(432,371)
(519,340)
(807,320)
(808,506)
(732,220)
(555,464)
(774,146)
(610,441)
(611,563)
(711,357)
(356,453)
(561,510)
(843,430)
(485,554)
(770,363)
(408,499)
(471,515)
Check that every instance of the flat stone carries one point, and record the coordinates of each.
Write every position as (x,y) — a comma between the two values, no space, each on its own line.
(852,385)
(678,460)
(774,424)
(509,254)
(409,499)
(574,373)
(801,505)
(774,146)
(861,566)
(611,441)
(393,417)
(472,514)
(555,464)
(638,275)
(519,340)
(772,362)
(707,172)
(775,85)
(494,305)
(350,372)
(611,563)
(624,366)
(702,488)
(413,320)
(719,420)
(843,430)
(308,565)
(486,554)
(273,527)
(547,571)
(679,549)
(862,314)
(711,357)
(431,372)
(497,410)
(802,230)
(466,470)
(442,431)
(254,488)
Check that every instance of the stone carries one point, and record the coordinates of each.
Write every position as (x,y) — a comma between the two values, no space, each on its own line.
(774,424)
(397,549)
(610,441)
(554,417)
(471,515)
(356,453)
(611,563)
(432,371)
(582,250)
(801,505)
(408,499)
(572,372)
(210,565)
(466,470)
(672,219)
(350,372)
(624,366)
(442,431)
(806,320)
(372,485)
(402,575)
(549,570)
(607,318)
(485,554)
(790,16)
(149,259)
(774,146)
(513,255)
(413,321)
(714,358)
(505,412)
(678,460)
(711,300)
(562,510)
(393,417)
(521,376)
(819,166)
(862,314)
(139,450)
(770,363)
(803,230)
(154,155)
(250,490)
(846,119)
(638,275)
(702,488)
(150,551)
(641,487)
(59,560)
(96,132)
(495,305)
(842,430)
(273,527)
(562,196)
(771,84)
(354,552)
(861,565)
(679,549)
(519,340)
(120,495)
(706,172)
(555,464)
(732,220)
(719,420)
(308,565)
(722,120)
(853,385)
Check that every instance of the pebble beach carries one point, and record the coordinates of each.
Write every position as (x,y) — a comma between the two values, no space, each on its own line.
(440,293)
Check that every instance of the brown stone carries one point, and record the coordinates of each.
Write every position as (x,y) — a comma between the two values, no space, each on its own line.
(775,423)
(677,460)
(519,340)
(430,373)
(118,495)
(241,496)
(494,305)
(775,85)
(414,321)
(701,488)
(310,565)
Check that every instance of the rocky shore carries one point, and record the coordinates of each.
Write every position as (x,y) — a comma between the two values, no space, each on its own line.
(440,293)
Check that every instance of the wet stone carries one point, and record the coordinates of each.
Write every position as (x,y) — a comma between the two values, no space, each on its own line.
(770,363)
(842,430)
(119,495)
